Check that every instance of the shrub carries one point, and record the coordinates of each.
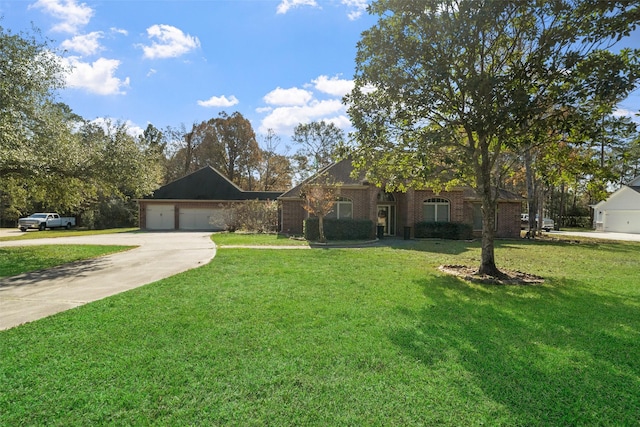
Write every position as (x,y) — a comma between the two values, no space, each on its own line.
(443,230)
(338,229)
(254,215)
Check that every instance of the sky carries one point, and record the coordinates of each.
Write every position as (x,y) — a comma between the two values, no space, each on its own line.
(179,62)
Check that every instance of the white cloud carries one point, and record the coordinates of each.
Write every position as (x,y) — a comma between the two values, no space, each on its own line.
(71,14)
(288,97)
(151,72)
(119,31)
(333,86)
(108,125)
(633,115)
(87,44)
(285,5)
(219,101)
(97,77)
(168,42)
(284,119)
(356,8)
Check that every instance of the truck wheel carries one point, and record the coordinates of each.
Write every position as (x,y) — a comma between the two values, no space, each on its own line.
(68,227)
(23,229)
(42,227)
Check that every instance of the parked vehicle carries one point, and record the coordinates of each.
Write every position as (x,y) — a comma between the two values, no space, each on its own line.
(547,223)
(42,221)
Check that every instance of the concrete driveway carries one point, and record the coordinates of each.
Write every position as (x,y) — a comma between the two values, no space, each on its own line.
(628,237)
(39,294)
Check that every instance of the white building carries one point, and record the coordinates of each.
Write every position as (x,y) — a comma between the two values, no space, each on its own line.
(620,213)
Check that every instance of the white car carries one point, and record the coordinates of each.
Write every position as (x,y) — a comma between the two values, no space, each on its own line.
(547,223)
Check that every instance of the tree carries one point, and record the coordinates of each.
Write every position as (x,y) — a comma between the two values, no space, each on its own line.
(443,88)
(274,170)
(318,142)
(320,197)
(227,143)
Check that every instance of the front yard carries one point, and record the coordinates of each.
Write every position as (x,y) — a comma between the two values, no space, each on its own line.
(369,336)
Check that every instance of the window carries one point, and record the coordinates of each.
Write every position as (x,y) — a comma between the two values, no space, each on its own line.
(343,209)
(477,216)
(385,197)
(436,210)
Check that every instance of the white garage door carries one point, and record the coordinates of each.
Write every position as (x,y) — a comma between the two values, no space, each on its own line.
(160,217)
(202,219)
(622,221)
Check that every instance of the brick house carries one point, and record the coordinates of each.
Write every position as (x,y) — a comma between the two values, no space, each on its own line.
(396,210)
(201,200)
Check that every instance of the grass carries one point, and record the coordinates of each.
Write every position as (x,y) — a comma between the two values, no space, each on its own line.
(373,336)
(23,259)
(63,233)
(244,239)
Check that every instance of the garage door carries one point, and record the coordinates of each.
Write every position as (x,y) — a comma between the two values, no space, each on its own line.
(202,219)
(622,221)
(160,217)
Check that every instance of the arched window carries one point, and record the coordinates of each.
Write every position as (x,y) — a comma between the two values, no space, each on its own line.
(436,210)
(385,197)
(343,209)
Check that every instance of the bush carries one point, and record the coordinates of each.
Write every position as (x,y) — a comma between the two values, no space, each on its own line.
(254,215)
(338,229)
(443,230)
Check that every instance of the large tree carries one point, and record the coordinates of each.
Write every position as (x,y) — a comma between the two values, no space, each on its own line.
(443,88)
(317,145)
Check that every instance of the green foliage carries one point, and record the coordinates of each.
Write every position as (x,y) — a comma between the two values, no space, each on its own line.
(318,144)
(364,337)
(53,160)
(443,230)
(254,216)
(443,90)
(338,229)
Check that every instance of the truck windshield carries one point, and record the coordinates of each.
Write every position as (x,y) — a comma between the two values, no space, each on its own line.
(39,215)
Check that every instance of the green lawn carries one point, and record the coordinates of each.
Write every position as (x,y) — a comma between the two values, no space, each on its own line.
(245,239)
(63,233)
(373,336)
(23,259)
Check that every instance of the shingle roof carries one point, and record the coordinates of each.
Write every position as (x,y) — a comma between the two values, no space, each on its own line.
(339,172)
(208,184)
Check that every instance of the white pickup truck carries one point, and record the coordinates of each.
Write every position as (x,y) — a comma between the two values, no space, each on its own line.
(42,221)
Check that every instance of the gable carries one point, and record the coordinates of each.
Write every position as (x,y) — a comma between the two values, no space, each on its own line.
(339,172)
(624,198)
(208,184)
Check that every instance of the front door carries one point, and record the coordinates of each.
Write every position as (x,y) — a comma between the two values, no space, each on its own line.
(387,219)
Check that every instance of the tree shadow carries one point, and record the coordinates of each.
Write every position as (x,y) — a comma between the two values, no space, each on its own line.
(73,269)
(557,354)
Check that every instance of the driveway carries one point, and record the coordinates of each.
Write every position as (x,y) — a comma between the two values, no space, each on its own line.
(35,295)
(599,235)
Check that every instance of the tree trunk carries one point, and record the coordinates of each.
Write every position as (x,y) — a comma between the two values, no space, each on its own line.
(321,229)
(531,192)
(488,260)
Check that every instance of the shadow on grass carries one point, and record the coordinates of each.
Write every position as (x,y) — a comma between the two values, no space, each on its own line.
(73,269)
(555,354)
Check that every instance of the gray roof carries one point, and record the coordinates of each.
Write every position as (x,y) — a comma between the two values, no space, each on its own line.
(208,184)
(340,172)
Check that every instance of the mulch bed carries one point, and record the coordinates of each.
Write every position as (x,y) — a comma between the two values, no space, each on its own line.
(509,277)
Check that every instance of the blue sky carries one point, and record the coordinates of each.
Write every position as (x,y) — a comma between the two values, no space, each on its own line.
(172,62)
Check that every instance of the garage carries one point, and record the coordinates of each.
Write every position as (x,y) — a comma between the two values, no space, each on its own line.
(622,221)
(202,219)
(160,217)
(202,200)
